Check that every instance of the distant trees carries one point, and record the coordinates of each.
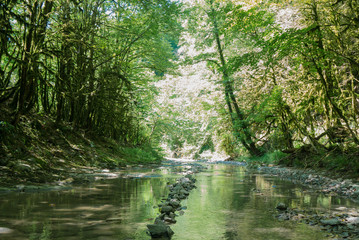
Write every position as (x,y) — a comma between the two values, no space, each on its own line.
(85,62)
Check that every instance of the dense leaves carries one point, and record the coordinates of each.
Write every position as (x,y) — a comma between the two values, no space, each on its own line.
(286,72)
(292,68)
(90,63)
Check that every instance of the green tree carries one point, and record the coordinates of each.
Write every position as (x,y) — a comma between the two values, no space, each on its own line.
(213,15)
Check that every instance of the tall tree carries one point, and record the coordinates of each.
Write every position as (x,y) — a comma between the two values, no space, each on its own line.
(213,13)
(85,61)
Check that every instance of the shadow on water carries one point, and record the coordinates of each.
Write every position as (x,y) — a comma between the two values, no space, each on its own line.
(229,203)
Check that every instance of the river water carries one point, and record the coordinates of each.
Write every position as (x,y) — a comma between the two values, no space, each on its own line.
(228,203)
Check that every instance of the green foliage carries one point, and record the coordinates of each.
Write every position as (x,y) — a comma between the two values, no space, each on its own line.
(268,158)
(144,154)
(6,128)
(91,63)
(286,72)
(208,145)
(228,144)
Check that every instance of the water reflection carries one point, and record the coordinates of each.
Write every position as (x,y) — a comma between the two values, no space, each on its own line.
(112,209)
(229,203)
(232,204)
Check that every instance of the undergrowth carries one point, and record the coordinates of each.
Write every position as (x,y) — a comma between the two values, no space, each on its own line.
(40,150)
(336,162)
(267,158)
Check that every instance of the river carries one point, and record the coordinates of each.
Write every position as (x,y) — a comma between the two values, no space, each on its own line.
(228,203)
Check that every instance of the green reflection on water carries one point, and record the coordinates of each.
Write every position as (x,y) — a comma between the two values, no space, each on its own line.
(229,203)
(111,209)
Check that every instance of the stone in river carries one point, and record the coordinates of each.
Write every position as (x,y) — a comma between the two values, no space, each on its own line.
(175,203)
(331,222)
(281,207)
(4,230)
(160,230)
(167,209)
(353,220)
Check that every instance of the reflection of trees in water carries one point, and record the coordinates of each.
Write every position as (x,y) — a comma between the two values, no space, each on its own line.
(229,203)
(83,211)
(233,204)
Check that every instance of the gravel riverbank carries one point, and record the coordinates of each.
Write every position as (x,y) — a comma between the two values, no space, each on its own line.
(343,223)
(342,187)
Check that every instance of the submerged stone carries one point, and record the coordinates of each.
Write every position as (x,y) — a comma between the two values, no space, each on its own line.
(281,207)
(331,222)
(175,203)
(160,230)
(167,209)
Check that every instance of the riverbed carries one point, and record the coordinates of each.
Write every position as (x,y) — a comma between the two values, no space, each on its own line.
(228,203)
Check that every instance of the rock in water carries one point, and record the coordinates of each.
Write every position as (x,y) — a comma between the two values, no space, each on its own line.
(353,220)
(175,203)
(281,207)
(331,222)
(4,230)
(160,230)
(167,209)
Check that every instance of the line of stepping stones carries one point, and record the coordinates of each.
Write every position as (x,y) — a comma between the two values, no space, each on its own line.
(178,191)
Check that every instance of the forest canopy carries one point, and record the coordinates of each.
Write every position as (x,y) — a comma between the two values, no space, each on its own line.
(86,62)
(277,75)
(287,72)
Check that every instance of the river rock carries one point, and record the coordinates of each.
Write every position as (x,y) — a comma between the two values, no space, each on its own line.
(175,203)
(169,220)
(181,196)
(184,180)
(184,192)
(4,230)
(283,216)
(160,230)
(353,220)
(172,215)
(281,207)
(167,209)
(20,187)
(331,222)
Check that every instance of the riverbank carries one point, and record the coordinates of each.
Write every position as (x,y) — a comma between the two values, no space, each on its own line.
(319,181)
(339,224)
(334,172)
(39,150)
(230,177)
(336,163)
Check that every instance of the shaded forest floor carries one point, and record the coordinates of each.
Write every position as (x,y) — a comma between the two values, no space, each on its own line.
(38,150)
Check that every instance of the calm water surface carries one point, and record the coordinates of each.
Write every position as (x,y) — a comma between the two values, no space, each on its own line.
(229,203)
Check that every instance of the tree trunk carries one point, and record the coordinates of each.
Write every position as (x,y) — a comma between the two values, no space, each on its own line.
(240,126)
